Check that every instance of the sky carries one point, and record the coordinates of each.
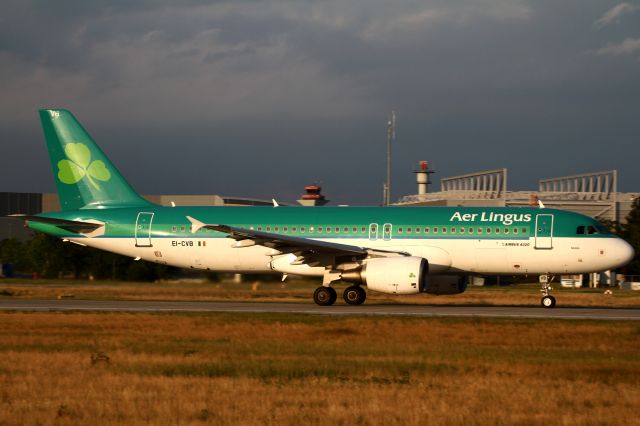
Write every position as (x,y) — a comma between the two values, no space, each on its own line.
(260,98)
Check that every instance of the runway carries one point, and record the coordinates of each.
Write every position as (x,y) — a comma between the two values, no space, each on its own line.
(67,305)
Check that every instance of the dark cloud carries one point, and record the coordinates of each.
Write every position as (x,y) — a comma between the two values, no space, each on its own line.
(261,98)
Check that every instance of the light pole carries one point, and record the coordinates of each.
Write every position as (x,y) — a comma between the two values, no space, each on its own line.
(391,135)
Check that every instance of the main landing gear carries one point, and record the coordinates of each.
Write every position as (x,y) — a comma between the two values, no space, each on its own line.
(327,296)
(548,301)
(354,295)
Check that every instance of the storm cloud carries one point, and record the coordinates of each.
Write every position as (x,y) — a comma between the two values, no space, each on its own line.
(261,98)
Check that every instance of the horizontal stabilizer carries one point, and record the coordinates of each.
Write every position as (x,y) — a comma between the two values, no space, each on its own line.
(88,228)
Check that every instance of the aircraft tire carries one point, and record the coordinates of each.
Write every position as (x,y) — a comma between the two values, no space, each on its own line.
(354,295)
(548,301)
(325,296)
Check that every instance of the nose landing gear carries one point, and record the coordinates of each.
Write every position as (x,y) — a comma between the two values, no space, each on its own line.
(548,301)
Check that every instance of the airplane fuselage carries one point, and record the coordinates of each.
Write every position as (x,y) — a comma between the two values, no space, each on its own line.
(455,240)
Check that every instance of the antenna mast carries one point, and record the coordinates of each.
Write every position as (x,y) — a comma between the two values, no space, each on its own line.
(391,136)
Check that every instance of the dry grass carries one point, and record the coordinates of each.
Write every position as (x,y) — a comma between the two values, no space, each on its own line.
(301,291)
(293,369)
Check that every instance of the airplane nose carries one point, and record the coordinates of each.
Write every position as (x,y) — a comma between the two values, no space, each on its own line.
(624,252)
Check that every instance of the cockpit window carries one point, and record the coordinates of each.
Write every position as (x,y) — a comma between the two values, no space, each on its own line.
(592,230)
(580,230)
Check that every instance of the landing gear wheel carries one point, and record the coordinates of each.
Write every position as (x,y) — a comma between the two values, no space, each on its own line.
(354,295)
(548,301)
(325,296)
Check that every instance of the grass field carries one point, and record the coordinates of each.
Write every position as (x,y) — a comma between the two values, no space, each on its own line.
(301,291)
(293,369)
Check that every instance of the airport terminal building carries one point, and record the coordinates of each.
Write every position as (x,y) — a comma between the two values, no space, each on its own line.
(592,194)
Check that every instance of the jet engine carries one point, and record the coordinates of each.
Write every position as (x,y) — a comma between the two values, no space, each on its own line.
(392,275)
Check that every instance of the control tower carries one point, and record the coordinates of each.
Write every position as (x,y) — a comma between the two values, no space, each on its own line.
(313,197)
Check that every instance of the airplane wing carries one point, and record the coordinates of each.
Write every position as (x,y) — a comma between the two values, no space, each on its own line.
(282,243)
(80,227)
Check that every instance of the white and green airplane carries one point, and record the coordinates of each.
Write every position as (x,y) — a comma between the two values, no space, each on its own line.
(393,250)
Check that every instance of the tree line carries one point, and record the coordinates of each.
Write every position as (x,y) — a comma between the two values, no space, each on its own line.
(48,257)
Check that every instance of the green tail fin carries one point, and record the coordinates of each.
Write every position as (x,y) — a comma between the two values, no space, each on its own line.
(84,175)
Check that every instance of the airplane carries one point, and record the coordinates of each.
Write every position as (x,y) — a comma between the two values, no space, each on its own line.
(392,250)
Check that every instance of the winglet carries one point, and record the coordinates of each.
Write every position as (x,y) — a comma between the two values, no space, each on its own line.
(540,204)
(196,225)
(275,203)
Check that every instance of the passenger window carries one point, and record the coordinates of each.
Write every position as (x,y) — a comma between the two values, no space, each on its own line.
(497,231)
(426,230)
(259,228)
(453,230)
(328,230)
(311,229)
(354,230)
(479,230)
(302,229)
(182,228)
(471,230)
(462,230)
(293,229)
(435,229)
(363,230)
(400,230)
(488,230)
(515,230)
(173,228)
(285,229)
(345,230)
(337,230)
(417,230)
(506,230)
(408,230)
(268,229)
(276,229)
(444,230)
(524,230)
(319,229)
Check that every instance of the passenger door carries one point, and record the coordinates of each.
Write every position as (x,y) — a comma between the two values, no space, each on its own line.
(143,229)
(544,231)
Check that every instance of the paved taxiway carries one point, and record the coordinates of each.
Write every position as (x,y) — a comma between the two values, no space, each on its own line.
(309,308)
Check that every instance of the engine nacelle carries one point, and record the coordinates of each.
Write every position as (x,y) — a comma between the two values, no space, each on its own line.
(396,275)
